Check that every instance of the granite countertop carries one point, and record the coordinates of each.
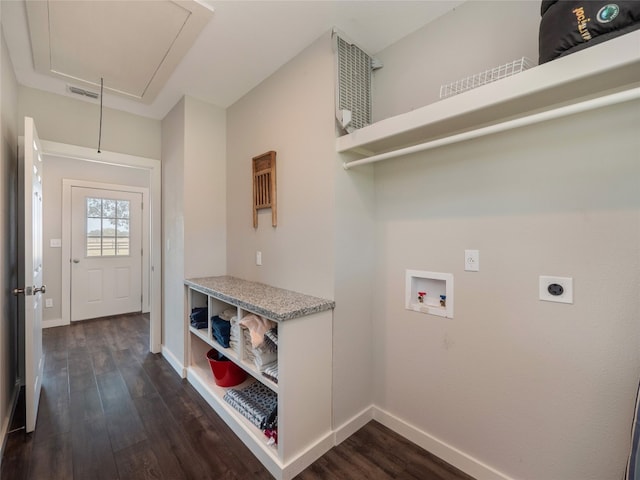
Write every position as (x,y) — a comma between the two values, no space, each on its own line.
(271,302)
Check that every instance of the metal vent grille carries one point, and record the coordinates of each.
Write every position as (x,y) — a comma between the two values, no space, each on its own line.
(83,92)
(354,84)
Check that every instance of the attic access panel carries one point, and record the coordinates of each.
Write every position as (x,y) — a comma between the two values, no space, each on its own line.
(134,46)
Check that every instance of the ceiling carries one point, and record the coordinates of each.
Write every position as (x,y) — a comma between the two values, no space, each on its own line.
(215,51)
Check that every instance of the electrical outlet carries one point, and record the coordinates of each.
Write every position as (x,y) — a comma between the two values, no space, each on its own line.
(48,303)
(556,289)
(472,260)
(258,258)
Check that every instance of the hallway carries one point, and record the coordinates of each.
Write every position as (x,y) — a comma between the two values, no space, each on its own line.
(111,410)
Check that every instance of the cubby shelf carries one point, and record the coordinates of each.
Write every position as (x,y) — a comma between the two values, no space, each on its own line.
(234,357)
(610,67)
(199,374)
(304,374)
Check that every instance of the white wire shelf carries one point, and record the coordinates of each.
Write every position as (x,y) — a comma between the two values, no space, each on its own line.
(488,76)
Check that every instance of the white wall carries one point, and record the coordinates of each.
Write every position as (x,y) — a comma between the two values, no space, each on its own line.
(194,207)
(474,37)
(173,230)
(355,250)
(55,170)
(205,190)
(76,122)
(323,244)
(291,112)
(8,226)
(532,389)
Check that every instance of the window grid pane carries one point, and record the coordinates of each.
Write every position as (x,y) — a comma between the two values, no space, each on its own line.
(107,231)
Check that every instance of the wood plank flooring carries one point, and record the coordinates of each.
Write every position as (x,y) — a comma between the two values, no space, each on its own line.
(111,410)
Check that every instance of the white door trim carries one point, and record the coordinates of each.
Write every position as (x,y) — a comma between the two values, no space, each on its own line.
(154,270)
(67,185)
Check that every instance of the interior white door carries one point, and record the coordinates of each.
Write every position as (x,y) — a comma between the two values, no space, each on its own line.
(31,293)
(106,252)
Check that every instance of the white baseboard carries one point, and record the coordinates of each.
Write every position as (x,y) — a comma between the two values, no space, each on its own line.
(174,362)
(446,452)
(54,322)
(351,426)
(306,458)
(6,422)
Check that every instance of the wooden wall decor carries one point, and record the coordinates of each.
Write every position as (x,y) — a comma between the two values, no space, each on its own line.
(264,186)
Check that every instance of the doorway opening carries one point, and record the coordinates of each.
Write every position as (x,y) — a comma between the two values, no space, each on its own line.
(88,161)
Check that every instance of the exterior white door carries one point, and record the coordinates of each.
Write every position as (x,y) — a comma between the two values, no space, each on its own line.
(31,289)
(106,252)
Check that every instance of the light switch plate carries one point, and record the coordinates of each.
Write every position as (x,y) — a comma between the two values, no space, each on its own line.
(567,289)
(55,242)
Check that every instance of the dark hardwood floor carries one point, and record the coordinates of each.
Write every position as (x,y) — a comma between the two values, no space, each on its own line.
(111,410)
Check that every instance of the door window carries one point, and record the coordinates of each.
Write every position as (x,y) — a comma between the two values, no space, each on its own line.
(107,227)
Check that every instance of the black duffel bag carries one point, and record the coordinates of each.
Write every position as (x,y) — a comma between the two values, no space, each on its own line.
(567,26)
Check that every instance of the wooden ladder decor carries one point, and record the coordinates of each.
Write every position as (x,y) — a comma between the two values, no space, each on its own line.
(264,186)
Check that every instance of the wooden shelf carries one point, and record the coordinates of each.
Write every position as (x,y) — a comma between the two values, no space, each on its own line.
(608,67)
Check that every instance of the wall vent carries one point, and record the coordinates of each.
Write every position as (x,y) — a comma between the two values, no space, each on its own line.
(353,92)
(83,92)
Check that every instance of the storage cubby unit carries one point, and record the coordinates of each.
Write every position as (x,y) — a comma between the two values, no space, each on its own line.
(303,387)
(434,286)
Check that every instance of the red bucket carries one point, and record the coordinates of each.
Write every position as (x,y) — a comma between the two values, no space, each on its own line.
(225,372)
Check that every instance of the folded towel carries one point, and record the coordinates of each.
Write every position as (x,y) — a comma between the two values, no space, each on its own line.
(257,326)
(255,402)
(227,314)
(246,344)
(271,371)
(221,330)
(262,359)
(270,341)
(272,336)
(198,314)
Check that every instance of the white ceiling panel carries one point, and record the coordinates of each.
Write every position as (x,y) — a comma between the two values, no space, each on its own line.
(134,46)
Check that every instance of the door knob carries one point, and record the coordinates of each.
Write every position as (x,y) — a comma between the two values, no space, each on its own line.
(75,260)
(42,289)
(23,291)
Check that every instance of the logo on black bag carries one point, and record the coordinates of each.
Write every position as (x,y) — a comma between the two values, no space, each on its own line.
(608,13)
(582,20)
